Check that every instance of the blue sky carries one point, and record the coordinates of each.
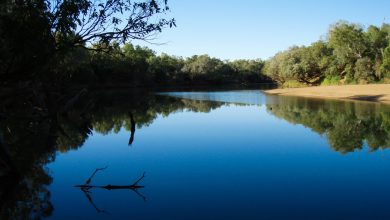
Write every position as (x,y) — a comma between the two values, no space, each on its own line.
(249,29)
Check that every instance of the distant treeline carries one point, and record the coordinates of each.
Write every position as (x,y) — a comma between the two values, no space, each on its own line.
(349,54)
(140,66)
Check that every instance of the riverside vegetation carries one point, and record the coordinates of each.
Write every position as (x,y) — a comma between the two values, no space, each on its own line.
(350,54)
(63,44)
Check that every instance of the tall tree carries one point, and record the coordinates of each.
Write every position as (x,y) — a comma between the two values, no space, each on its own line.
(349,44)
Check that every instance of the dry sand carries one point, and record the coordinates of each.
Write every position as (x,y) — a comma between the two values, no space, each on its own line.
(372,92)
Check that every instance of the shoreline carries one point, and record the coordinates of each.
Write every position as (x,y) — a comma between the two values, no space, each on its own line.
(371,92)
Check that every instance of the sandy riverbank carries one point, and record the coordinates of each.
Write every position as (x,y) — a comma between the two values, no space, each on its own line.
(372,92)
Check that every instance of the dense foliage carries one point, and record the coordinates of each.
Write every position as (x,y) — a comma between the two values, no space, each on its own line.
(350,54)
(137,66)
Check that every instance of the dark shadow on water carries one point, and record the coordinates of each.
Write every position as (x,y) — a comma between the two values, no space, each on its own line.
(373,98)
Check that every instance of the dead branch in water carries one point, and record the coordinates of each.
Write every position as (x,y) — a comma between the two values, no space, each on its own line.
(109,186)
(86,187)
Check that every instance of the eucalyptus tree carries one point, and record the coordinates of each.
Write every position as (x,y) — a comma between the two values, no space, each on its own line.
(35,32)
(348,41)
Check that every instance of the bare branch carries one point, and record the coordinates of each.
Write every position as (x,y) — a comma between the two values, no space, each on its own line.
(93,174)
(85,22)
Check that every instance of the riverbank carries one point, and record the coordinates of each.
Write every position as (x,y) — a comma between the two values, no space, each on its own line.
(371,92)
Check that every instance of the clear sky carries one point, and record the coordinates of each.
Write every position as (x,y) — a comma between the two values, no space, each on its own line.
(232,29)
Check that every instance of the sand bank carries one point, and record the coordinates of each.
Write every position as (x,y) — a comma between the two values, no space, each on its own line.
(372,92)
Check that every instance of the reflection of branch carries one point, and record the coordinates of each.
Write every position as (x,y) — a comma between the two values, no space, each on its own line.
(132,130)
(86,187)
(139,194)
(136,182)
(87,194)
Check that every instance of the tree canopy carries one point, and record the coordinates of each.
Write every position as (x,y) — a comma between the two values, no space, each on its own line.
(37,35)
(350,54)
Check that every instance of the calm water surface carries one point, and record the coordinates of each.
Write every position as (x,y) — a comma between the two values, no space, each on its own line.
(223,155)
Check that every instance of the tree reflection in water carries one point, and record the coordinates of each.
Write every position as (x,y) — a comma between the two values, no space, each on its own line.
(32,131)
(346,124)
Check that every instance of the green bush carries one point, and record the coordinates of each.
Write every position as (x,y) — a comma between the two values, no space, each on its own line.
(331,80)
(293,84)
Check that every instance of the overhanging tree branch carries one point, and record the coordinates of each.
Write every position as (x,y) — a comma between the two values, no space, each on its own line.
(87,22)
